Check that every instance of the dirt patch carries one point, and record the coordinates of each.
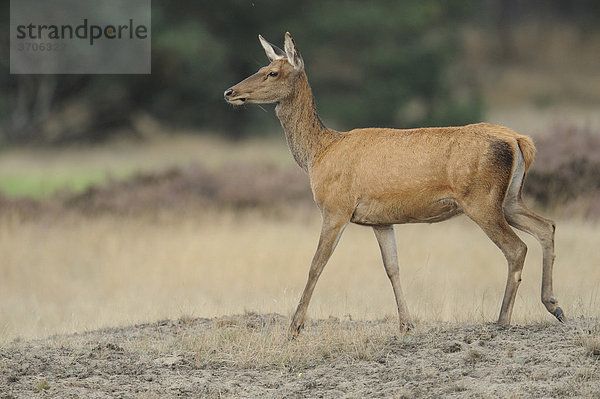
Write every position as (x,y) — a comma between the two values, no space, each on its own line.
(191,358)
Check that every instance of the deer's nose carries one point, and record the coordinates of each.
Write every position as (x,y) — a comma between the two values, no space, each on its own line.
(228,92)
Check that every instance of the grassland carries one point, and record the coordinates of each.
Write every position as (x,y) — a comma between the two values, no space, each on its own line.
(225,280)
(42,172)
(76,274)
(70,272)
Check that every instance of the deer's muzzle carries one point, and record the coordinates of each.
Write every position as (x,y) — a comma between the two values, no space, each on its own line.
(232,97)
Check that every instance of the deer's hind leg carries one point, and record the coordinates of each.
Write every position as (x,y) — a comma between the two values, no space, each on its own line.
(522,218)
(389,253)
(484,205)
(493,223)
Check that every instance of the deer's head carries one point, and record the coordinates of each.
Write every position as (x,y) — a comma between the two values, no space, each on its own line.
(271,83)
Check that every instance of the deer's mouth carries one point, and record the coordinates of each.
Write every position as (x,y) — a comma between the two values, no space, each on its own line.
(237,100)
(234,97)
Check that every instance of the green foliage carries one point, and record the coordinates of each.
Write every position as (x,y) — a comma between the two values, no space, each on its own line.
(40,186)
(367,62)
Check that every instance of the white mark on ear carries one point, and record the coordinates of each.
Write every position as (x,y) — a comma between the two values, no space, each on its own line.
(273,52)
(293,55)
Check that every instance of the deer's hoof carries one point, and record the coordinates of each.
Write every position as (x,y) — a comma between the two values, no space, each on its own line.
(295,330)
(559,314)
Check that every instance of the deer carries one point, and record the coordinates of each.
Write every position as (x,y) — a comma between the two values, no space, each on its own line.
(380,177)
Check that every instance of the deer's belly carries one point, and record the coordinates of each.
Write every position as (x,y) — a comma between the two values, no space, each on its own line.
(378,212)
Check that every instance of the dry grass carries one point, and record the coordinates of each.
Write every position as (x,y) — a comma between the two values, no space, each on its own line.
(249,341)
(78,273)
(258,341)
(588,337)
(66,272)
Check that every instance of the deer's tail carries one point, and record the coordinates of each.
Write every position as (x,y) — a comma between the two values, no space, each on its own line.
(527,149)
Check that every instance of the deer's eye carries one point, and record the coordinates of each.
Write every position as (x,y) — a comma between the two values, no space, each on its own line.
(273,74)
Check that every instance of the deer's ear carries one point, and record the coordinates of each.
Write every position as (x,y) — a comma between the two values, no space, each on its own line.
(273,52)
(293,55)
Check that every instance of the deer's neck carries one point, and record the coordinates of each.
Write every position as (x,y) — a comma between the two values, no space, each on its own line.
(306,135)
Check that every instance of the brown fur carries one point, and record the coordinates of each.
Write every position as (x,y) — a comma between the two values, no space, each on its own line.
(381,177)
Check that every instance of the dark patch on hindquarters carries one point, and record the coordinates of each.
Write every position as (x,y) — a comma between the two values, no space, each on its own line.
(499,160)
(502,155)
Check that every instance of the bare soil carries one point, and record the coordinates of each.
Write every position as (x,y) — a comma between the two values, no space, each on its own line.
(436,360)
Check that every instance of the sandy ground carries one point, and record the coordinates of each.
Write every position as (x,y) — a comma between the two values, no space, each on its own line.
(437,360)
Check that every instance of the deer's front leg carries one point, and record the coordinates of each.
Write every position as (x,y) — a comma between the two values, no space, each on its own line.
(330,234)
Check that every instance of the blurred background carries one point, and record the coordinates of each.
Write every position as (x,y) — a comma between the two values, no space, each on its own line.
(531,65)
(409,63)
(127,155)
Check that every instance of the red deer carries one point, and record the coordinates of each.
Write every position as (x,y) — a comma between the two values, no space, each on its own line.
(381,177)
